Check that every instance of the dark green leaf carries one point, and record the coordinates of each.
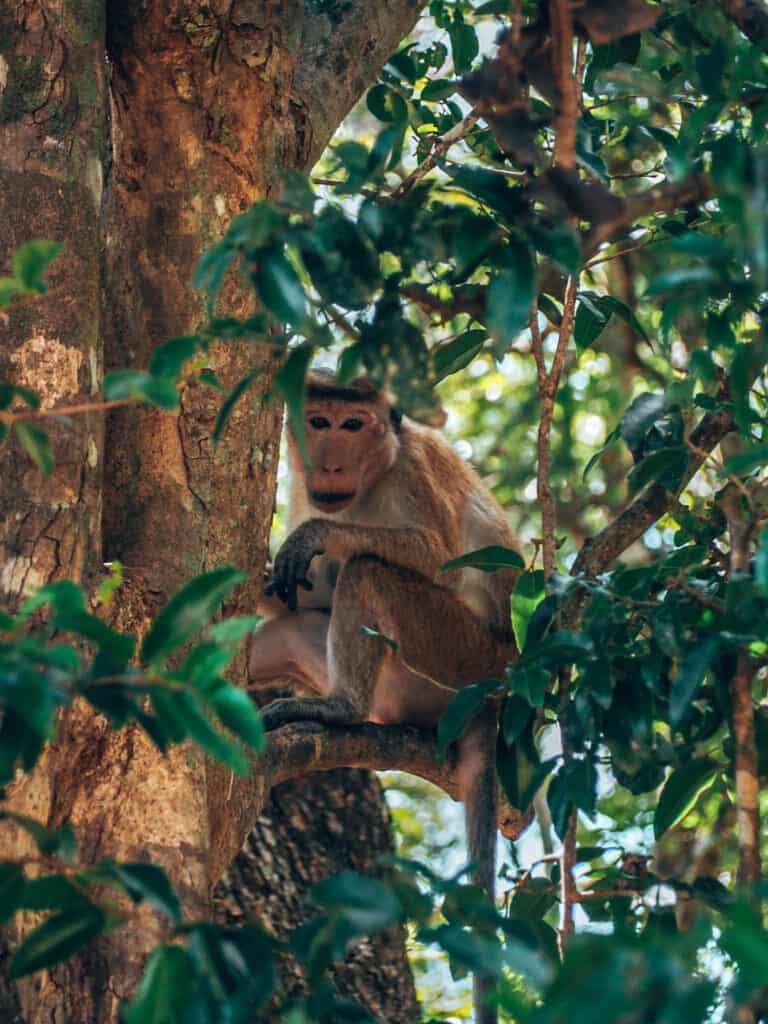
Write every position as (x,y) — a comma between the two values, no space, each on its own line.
(510,298)
(489,559)
(368,904)
(237,711)
(745,462)
(590,321)
(528,593)
(149,882)
(58,938)
(690,676)
(610,439)
(515,715)
(10,289)
(464,707)
(164,994)
(50,842)
(291,382)
(665,466)
(52,892)
(761,562)
(190,718)
(681,791)
(120,645)
(31,259)
(36,443)
(280,289)
(168,359)
(457,354)
(640,417)
(11,887)
(141,386)
(385,104)
(188,610)
(551,310)
(464,45)
(230,402)
(439,89)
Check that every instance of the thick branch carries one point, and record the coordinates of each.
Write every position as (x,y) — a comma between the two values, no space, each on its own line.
(599,551)
(303,748)
(340,54)
(660,199)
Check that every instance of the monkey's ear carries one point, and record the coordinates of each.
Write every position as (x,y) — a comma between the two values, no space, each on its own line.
(395,418)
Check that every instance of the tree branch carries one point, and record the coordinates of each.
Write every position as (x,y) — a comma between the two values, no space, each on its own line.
(340,53)
(660,199)
(599,551)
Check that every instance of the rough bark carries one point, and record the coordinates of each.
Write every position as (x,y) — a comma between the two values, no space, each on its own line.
(310,828)
(52,150)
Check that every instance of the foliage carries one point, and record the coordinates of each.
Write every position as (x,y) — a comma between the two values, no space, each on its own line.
(622,703)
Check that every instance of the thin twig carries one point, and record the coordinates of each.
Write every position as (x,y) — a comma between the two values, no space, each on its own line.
(439,148)
(64,410)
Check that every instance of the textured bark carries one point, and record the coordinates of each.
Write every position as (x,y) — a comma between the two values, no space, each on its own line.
(52,146)
(311,829)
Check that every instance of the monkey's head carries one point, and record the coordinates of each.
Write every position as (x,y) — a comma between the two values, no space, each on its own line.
(351,438)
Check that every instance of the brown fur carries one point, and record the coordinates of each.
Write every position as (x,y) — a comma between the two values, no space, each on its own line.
(407,504)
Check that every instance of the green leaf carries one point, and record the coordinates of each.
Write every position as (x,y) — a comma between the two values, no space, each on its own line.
(168,359)
(64,595)
(745,462)
(612,437)
(58,938)
(52,892)
(149,882)
(515,715)
(689,678)
(510,298)
(528,593)
(489,559)
(761,562)
(464,707)
(31,259)
(682,789)
(50,842)
(237,711)
(439,89)
(136,384)
(665,466)
(376,635)
(230,402)
(10,289)
(367,904)
(291,381)
(232,630)
(36,443)
(165,992)
(590,321)
(188,611)
(10,391)
(11,887)
(457,354)
(385,104)
(181,714)
(551,309)
(640,417)
(280,289)
(464,45)
(120,645)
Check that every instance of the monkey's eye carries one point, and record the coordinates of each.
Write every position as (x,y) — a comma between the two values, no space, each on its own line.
(353,425)
(319,422)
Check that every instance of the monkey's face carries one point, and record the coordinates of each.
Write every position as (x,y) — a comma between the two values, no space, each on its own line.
(351,445)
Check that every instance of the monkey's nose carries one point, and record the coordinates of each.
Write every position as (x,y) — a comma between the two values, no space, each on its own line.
(332,468)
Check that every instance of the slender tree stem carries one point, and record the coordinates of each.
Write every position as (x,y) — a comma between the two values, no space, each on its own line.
(567,86)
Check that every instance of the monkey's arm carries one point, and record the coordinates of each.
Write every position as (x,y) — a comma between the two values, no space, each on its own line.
(411,547)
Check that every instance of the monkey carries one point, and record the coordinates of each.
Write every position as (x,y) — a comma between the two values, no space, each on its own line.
(384,503)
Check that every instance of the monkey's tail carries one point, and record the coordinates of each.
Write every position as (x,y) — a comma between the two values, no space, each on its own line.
(477,781)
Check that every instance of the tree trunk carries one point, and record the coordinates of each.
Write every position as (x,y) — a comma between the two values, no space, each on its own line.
(210,102)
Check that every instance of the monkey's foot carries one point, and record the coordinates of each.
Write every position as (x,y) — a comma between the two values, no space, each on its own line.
(328,711)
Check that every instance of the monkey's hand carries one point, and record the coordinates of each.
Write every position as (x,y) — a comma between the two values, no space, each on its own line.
(293,559)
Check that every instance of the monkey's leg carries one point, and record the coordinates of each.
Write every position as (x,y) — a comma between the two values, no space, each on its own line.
(441,644)
(293,646)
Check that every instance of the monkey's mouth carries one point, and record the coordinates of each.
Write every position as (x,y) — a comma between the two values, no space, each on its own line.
(331,500)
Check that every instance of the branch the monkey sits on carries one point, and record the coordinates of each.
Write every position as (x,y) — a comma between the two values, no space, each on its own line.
(385,503)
